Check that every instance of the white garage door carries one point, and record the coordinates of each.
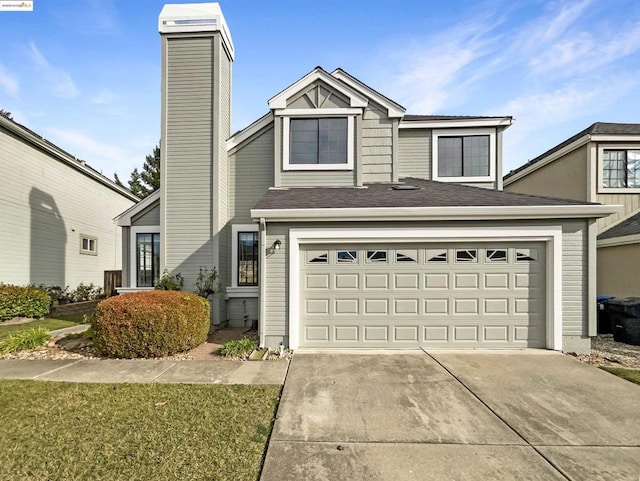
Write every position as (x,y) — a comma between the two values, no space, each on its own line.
(428,295)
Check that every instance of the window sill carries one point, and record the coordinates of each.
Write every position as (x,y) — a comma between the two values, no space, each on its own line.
(619,190)
(488,178)
(248,291)
(290,167)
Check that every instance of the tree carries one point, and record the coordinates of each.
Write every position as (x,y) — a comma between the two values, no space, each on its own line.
(6,114)
(148,181)
(117,180)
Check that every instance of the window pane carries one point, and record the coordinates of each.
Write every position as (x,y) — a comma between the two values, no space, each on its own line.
(156,258)
(613,172)
(465,255)
(332,144)
(247,258)
(144,260)
(633,168)
(318,141)
(304,141)
(449,156)
(348,256)
(476,156)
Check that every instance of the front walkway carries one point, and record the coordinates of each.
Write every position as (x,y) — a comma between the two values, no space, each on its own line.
(146,371)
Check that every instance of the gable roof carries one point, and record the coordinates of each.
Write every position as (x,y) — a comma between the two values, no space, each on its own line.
(430,199)
(394,109)
(124,219)
(39,142)
(595,129)
(629,226)
(356,99)
(454,121)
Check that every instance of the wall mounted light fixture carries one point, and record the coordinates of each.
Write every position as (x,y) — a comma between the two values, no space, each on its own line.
(276,244)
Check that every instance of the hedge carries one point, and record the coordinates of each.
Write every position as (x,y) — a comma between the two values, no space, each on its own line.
(17,301)
(150,324)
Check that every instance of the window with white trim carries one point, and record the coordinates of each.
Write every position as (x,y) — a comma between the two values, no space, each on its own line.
(88,245)
(318,139)
(247,259)
(464,155)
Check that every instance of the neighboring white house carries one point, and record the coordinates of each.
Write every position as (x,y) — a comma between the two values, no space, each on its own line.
(338,221)
(56,214)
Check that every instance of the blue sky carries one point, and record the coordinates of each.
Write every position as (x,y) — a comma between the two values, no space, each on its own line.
(85,74)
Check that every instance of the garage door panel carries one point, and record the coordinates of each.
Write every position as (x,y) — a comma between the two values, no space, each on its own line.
(467,295)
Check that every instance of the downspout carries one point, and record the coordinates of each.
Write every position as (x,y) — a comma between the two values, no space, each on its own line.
(262,280)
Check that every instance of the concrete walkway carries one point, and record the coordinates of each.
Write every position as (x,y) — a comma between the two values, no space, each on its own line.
(147,371)
(525,415)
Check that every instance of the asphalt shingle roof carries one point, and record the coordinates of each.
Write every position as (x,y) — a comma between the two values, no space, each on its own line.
(429,194)
(630,226)
(420,118)
(598,128)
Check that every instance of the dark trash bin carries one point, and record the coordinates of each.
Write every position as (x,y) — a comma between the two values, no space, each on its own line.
(625,319)
(604,319)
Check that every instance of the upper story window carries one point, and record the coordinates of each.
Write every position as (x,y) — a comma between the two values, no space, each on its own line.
(318,141)
(464,155)
(314,140)
(621,169)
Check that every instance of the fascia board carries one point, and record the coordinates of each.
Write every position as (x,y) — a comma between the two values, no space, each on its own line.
(436,213)
(547,160)
(619,241)
(124,219)
(393,110)
(254,128)
(456,124)
(279,101)
(615,138)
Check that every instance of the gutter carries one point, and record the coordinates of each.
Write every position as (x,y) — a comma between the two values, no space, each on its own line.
(436,213)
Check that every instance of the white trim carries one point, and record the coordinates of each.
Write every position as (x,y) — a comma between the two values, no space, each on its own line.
(455,124)
(279,101)
(141,229)
(124,219)
(600,181)
(437,213)
(619,241)
(314,113)
(511,178)
(237,139)
(127,290)
(436,134)
(317,113)
(394,110)
(235,289)
(552,235)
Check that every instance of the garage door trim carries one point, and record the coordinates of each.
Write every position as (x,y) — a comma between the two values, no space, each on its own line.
(551,235)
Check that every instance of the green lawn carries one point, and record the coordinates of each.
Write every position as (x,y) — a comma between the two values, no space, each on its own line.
(66,431)
(632,375)
(59,322)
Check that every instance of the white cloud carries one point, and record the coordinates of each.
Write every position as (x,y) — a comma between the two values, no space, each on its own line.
(59,80)
(8,82)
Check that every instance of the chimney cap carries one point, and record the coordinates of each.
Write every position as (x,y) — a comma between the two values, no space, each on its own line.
(195,17)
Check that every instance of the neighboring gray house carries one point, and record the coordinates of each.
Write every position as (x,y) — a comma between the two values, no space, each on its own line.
(599,164)
(56,214)
(337,220)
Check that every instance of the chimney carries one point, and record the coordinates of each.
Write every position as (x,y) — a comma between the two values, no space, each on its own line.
(197,54)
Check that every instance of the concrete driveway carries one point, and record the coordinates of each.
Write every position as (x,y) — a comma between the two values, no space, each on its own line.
(526,415)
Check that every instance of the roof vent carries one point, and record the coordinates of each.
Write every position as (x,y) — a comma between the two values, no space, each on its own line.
(405,187)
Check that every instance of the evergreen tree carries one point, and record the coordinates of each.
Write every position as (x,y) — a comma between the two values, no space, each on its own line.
(148,181)
(6,114)
(117,180)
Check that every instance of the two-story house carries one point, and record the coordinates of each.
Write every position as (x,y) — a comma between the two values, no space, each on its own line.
(337,220)
(599,164)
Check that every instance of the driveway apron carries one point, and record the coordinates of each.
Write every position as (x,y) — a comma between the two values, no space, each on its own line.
(412,415)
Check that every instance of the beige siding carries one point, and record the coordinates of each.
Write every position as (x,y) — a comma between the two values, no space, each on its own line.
(565,177)
(150,216)
(574,280)
(630,203)
(414,153)
(317,178)
(377,142)
(574,283)
(250,175)
(618,271)
(242,311)
(196,113)
(44,207)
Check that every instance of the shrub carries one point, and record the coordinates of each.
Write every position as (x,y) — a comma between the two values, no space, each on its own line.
(24,340)
(85,293)
(150,324)
(207,282)
(23,301)
(170,283)
(238,348)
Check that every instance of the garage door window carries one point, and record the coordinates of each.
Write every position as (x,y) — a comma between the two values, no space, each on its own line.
(406,256)
(465,255)
(317,257)
(376,256)
(350,257)
(525,255)
(436,255)
(496,255)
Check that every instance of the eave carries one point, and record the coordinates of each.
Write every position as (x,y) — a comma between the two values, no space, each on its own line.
(436,213)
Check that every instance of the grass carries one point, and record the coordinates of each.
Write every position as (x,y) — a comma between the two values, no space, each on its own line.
(51,324)
(56,431)
(632,375)
(241,347)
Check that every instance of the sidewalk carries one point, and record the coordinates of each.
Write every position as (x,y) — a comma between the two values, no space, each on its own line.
(146,371)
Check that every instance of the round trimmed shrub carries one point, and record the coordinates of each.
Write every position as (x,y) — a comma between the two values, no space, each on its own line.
(150,324)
